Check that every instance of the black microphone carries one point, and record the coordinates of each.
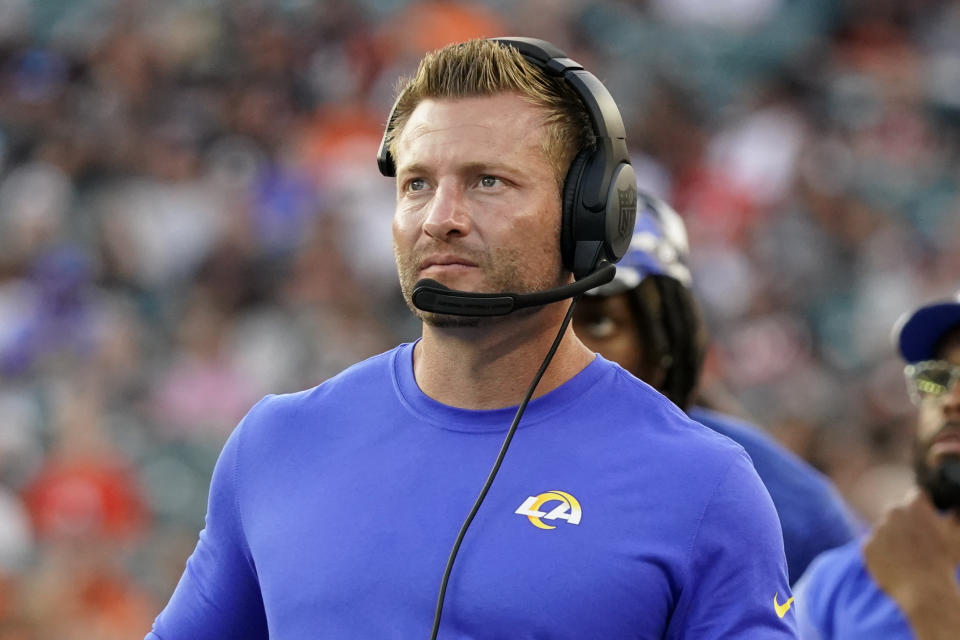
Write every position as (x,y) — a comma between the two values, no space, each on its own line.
(430,295)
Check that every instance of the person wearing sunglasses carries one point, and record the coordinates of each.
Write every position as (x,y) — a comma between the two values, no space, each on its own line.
(903,579)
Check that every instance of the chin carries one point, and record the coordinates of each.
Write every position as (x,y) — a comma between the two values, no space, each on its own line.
(938,479)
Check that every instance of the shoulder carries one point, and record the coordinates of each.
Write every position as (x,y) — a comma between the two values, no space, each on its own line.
(752,438)
(795,485)
(623,391)
(351,388)
(653,420)
(832,579)
(839,564)
(782,471)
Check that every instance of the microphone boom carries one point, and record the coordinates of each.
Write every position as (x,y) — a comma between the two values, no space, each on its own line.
(431,296)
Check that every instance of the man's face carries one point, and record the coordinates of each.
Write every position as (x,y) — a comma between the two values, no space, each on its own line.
(938,425)
(478,205)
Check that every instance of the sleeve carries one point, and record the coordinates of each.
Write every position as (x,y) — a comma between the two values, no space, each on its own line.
(736,583)
(218,595)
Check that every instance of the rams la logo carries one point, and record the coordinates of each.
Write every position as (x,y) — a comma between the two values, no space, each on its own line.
(568,509)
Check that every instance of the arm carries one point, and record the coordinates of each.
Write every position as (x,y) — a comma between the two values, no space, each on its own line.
(218,595)
(913,555)
(736,582)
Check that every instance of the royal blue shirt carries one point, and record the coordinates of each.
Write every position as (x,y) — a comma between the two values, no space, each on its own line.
(813,516)
(837,599)
(332,512)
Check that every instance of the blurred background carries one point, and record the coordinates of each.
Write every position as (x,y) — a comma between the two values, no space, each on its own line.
(191,217)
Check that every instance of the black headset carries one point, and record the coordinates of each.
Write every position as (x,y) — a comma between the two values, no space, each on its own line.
(600,189)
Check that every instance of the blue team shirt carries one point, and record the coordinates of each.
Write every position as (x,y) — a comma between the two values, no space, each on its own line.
(837,599)
(332,512)
(813,516)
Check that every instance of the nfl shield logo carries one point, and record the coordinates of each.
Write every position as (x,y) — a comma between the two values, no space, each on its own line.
(628,209)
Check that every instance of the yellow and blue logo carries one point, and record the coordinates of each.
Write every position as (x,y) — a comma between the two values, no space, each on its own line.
(781,609)
(568,509)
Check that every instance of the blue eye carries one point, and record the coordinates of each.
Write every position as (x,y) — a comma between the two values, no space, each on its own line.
(417,184)
(489,181)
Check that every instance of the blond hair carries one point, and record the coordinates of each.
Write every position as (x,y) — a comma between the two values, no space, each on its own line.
(485,68)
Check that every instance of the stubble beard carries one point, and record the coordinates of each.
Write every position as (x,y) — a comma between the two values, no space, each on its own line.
(942,493)
(505,272)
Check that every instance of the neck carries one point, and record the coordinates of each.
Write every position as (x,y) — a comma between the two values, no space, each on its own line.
(492,365)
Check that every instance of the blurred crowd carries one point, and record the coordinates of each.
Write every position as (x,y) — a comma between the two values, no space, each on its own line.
(191,217)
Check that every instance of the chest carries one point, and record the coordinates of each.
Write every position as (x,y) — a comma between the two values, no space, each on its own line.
(562,547)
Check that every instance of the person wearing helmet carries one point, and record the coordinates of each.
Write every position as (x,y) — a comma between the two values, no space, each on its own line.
(648,321)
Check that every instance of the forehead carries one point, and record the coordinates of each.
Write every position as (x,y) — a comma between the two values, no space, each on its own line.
(485,125)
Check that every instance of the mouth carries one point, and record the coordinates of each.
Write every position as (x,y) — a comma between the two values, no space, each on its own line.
(946,442)
(446,264)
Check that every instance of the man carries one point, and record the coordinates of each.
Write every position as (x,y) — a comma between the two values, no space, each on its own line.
(903,579)
(334,512)
(648,321)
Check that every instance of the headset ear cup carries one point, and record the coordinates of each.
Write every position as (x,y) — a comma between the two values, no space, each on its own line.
(571,206)
(621,212)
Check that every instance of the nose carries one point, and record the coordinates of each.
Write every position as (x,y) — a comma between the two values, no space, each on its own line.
(951,401)
(448,215)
